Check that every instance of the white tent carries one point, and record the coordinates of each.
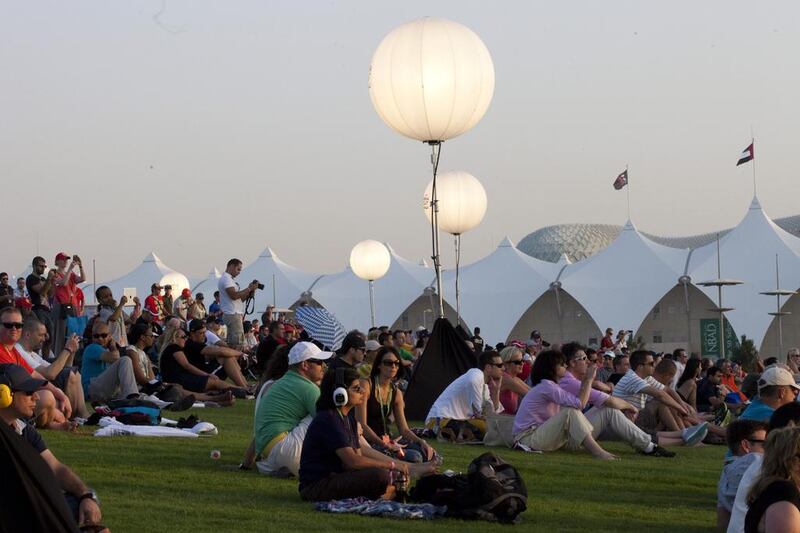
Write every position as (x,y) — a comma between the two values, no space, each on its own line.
(347,296)
(747,253)
(496,290)
(141,278)
(207,285)
(280,280)
(620,285)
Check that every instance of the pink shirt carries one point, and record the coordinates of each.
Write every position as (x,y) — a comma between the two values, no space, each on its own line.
(571,384)
(542,403)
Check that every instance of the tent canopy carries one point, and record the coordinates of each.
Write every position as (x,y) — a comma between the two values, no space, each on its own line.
(283,281)
(150,271)
(747,253)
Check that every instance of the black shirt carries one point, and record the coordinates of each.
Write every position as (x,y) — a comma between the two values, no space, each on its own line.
(477,343)
(328,432)
(193,351)
(265,350)
(30,435)
(8,293)
(777,491)
(170,368)
(378,414)
(706,390)
(338,362)
(30,281)
(614,378)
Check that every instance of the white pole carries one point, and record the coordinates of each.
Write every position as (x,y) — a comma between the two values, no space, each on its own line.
(372,302)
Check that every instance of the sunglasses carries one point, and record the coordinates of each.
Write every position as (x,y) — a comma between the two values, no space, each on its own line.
(12,325)
(100,335)
(517,362)
(756,441)
(497,365)
(319,362)
(390,363)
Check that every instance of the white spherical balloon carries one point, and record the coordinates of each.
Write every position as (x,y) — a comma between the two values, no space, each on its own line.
(431,79)
(462,201)
(370,260)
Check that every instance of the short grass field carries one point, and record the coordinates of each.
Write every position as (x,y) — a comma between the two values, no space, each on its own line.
(172,485)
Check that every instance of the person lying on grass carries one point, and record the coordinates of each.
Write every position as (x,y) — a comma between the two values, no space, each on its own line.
(333,464)
(384,400)
(24,395)
(550,418)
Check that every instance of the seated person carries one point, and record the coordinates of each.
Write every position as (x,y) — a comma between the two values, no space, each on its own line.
(469,394)
(209,357)
(176,368)
(607,369)
(512,388)
(709,395)
(785,416)
(333,463)
(608,413)
(24,394)
(105,374)
(774,500)
(285,411)
(60,372)
(384,401)
(687,382)
(621,366)
(776,387)
(746,442)
(550,418)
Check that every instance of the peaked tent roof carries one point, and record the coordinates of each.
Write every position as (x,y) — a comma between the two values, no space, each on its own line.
(208,284)
(347,296)
(620,285)
(151,270)
(496,290)
(747,253)
(289,282)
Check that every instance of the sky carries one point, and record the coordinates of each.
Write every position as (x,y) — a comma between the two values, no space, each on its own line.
(204,130)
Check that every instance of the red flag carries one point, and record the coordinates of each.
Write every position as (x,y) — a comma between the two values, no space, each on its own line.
(621,181)
(747,155)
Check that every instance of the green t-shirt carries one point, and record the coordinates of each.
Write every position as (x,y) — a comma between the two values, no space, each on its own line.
(288,401)
(405,354)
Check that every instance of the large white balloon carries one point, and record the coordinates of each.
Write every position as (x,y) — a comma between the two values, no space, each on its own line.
(462,201)
(431,79)
(370,260)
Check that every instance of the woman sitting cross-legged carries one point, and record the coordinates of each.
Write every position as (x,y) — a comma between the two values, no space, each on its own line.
(333,464)
(384,401)
(550,418)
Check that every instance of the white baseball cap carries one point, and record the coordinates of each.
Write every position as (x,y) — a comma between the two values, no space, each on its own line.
(776,375)
(303,351)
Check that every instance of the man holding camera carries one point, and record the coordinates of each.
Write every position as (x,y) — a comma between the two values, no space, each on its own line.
(231,300)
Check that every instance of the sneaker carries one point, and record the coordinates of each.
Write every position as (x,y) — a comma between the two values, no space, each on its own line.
(721,413)
(183,404)
(695,434)
(658,451)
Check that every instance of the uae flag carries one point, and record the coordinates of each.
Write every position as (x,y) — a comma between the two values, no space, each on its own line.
(621,181)
(747,155)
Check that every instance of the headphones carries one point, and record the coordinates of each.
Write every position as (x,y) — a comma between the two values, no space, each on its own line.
(340,397)
(6,396)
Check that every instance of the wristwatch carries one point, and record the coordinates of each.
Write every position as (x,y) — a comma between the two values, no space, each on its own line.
(87,496)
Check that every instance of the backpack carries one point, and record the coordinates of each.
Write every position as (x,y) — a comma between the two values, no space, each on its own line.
(136,412)
(491,490)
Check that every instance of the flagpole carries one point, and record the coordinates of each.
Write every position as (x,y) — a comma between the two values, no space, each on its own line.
(628,190)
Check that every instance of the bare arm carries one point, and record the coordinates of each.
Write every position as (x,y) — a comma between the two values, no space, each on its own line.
(233,294)
(220,351)
(141,378)
(180,358)
(361,416)
(664,397)
(89,511)
(514,384)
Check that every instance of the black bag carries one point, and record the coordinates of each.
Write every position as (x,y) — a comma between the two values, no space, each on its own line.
(66,311)
(491,490)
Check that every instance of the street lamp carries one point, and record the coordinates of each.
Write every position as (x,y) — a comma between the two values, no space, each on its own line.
(370,260)
(431,80)
(462,206)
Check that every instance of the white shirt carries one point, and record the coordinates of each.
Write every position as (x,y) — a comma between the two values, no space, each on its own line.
(462,399)
(629,388)
(681,367)
(33,359)
(228,306)
(739,511)
(211,338)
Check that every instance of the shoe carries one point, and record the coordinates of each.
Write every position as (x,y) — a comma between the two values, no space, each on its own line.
(239,393)
(658,451)
(721,413)
(183,404)
(695,434)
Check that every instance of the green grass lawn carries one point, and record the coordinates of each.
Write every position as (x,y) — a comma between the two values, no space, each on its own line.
(172,485)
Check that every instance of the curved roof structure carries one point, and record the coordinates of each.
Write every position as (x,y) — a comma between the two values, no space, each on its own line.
(346,295)
(496,290)
(208,284)
(579,241)
(285,282)
(747,253)
(619,285)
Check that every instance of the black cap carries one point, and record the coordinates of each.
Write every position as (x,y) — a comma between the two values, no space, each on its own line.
(352,340)
(167,287)
(196,325)
(18,379)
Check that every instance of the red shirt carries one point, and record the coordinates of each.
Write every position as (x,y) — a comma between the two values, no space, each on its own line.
(65,294)
(155,304)
(13,356)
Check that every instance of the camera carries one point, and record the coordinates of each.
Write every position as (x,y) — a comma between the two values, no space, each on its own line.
(259,285)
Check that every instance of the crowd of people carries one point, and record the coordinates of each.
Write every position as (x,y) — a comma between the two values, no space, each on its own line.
(336,421)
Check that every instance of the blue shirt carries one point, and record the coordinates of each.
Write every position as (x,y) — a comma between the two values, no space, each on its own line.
(757,411)
(92,366)
(214,308)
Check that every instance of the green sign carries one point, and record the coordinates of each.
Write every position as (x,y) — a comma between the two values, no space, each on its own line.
(710,341)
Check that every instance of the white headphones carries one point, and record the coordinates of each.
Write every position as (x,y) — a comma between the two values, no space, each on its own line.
(340,397)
